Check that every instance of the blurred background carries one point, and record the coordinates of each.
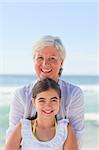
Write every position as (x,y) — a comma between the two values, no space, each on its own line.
(76,23)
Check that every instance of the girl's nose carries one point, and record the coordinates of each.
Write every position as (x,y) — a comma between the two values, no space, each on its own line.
(48,104)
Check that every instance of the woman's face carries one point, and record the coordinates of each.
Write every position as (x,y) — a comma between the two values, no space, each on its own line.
(48,63)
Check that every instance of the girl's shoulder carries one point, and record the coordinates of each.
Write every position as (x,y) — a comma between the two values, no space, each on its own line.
(63,121)
(63,124)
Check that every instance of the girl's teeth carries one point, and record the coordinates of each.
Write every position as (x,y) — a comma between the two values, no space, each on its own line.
(47,111)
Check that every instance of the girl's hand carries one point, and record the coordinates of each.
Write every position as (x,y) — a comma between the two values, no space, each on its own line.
(71,141)
(14,139)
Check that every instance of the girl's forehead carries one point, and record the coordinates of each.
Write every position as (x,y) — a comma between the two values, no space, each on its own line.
(49,92)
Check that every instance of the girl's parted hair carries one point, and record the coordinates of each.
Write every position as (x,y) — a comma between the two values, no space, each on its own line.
(44,85)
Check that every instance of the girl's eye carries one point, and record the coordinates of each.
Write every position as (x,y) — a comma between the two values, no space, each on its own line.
(54,100)
(41,101)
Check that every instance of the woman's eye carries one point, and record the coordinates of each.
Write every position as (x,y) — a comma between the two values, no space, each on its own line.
(53,59)
(39,58)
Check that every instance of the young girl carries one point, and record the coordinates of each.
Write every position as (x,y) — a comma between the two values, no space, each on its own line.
(44,132)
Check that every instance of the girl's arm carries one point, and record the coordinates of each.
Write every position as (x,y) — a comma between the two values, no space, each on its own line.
(14,139)
(71,141)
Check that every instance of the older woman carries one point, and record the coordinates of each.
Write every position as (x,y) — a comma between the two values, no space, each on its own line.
(48,56)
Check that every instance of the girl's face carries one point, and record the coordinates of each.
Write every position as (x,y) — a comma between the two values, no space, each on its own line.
(47,103)
(48,63)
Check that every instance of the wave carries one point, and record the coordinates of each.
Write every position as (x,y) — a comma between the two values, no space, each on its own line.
(90,88)
(6,94)
(92,117)
(10,89)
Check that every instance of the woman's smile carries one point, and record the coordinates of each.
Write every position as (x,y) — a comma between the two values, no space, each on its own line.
(48,63)
(46,70)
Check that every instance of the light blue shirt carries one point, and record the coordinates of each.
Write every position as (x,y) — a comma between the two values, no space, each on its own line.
(72,107)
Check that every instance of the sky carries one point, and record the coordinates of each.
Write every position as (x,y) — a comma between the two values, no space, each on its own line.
(23,23)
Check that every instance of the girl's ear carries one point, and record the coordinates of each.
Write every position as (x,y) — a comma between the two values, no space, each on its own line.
(59,104)
(33,101)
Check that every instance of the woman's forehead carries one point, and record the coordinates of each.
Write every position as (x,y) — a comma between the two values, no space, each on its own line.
(47,50)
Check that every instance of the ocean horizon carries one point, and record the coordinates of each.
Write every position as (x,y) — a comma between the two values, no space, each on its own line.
(10,79)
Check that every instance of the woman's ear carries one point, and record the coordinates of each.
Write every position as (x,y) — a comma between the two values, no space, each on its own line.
(62,63)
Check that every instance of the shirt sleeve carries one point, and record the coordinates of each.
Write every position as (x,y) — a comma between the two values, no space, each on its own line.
(16,110)
(76,114)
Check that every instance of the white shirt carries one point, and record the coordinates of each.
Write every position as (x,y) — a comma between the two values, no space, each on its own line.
(72,107)
(30,142)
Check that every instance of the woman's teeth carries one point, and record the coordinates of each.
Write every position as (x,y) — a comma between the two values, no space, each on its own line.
(46,71)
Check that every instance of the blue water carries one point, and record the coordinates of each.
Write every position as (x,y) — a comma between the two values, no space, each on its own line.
(6,80)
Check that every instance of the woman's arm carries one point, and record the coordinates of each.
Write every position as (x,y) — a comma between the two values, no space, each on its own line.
(16,110)
(76,114)
(71,141)
(14,139)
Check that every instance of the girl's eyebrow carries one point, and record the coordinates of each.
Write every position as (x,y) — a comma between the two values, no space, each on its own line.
(54,97)
(41,98)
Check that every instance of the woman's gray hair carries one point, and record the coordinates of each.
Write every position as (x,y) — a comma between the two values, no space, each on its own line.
(49,40)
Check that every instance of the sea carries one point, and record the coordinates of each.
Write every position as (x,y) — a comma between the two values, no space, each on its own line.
(88,83)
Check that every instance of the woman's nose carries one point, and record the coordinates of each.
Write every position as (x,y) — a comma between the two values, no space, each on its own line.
(45,61)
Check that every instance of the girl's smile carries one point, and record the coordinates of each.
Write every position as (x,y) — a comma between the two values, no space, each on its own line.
(47,103)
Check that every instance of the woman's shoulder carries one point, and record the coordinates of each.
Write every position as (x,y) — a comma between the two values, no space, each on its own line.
(24,92)
(69,86)
(24,89)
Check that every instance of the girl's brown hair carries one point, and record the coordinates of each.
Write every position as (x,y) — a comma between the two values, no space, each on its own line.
(44,85)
